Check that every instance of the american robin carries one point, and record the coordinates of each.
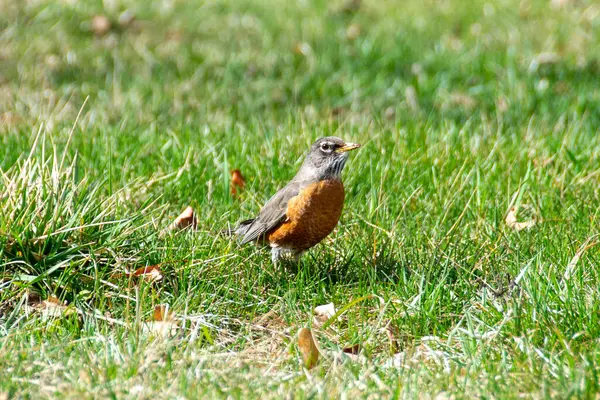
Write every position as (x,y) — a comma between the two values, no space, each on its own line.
(307,209)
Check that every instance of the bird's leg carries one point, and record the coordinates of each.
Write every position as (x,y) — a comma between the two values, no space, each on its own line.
(276,255)
(289,258)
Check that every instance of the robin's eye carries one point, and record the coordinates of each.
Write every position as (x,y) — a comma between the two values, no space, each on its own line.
(326,147)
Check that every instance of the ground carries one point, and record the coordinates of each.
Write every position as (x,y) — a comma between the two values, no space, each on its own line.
(466,260)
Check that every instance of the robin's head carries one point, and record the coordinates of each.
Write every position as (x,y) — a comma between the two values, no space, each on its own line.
(327,158)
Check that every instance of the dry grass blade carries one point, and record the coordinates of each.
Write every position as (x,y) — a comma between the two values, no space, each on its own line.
(573,263)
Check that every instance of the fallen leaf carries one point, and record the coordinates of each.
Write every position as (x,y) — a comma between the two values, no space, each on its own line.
(163,323)
(100,25)
(354,349)
(237,181)
(151,273)
(326,310)
(185,220)
(323,313)
(162,313)
(50,308)
(511,220)
(308,348)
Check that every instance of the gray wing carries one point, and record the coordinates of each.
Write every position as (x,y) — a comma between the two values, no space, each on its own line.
(272,214)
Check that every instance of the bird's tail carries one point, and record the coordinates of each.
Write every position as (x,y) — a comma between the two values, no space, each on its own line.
(240,230)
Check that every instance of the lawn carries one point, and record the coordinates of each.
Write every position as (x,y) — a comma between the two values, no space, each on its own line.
(466,260)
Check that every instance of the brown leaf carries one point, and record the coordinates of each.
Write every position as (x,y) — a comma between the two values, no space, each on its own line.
(185,220)
(354,349)
(151,273)
(511,220)
(308,348)
(49,308)
(100,25)
(162,313)
(237,181)
(163,323)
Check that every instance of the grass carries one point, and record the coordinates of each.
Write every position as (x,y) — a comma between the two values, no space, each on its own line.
(464,110)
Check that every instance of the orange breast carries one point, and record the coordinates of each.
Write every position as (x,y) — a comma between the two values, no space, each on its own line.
(311,216)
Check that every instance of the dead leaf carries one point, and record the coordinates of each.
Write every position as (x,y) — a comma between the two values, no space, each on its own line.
(354,349)
(50,308)
(163,324)
(511,220)
(323,313)
(162,313)
(151,273)
(237,181)
(308,348)
(185,220)
(100,25)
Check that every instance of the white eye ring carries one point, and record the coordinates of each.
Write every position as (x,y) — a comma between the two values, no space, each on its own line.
(326,147)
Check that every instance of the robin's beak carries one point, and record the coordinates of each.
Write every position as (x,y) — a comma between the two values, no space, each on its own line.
(348,147)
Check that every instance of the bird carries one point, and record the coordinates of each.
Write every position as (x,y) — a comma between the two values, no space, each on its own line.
(307,209)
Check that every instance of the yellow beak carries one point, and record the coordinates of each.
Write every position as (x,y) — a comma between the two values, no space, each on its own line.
(348,147)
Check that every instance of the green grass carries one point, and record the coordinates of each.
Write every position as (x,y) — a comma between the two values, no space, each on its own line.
(464,110)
